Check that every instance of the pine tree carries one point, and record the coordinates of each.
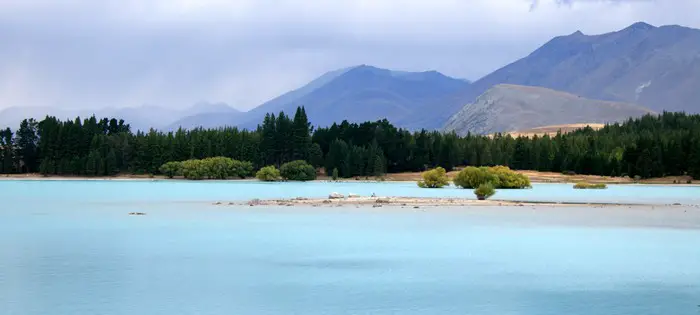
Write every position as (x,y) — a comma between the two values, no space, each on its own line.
(27,146)
(268,145)
(486,158)
(111,163)
(337,157)
(521,155)
(694,163)
(378,166)
(301,134)
(315,155)
(92,163)
(335,174)
(6,152)
(101,165)
(283,139)
(47,167)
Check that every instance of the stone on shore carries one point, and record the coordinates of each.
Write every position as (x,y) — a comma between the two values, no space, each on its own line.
(383,200)
(335,195)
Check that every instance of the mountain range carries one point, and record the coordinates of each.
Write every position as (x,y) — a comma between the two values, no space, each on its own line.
(358,94)
(641,68)
(656,67)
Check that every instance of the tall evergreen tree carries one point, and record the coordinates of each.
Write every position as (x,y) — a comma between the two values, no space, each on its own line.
(26,143)
(315,155)
(301,136)
(7,152)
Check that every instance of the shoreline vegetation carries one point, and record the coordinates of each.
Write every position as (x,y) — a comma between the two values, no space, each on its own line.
(653,146)
(535,177)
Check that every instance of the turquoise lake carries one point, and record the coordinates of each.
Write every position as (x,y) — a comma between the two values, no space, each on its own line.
(69,247)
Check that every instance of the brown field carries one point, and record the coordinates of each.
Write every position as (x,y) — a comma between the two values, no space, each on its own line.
(552,130)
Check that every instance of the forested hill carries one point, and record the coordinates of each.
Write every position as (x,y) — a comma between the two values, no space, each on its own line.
(651,146)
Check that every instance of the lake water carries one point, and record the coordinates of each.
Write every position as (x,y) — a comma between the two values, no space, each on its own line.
(70,248)
(186,191)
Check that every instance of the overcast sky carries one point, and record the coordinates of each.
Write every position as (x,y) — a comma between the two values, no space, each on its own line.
(97,53)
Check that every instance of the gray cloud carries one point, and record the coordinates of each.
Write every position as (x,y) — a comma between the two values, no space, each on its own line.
(82,53)
(535,3)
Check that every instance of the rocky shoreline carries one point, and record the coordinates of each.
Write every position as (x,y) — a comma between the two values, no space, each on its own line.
(416,202)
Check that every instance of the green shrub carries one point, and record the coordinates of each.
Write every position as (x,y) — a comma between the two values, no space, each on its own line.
(217,167)
(171,169)
(194,169)
(473,177)
(240,169)
(298,170)
(499,176)
(484,191)
(435,178)
(335,174)
(212,168)
(584,185)
(509,179)
(268,174)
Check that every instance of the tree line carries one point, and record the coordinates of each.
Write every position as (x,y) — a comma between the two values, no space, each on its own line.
(650,146)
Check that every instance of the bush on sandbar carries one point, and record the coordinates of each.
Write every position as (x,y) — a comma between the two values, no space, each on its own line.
(171,169)
(268,174)
(484,191)
(298,170)
(210,168)
(435,178)
(499,176)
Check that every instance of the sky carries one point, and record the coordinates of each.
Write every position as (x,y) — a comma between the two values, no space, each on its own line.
(174,53)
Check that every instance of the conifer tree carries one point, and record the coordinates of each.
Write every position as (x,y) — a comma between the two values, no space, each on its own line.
(301,134)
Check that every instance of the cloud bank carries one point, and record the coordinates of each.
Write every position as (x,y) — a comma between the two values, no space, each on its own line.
(81,53)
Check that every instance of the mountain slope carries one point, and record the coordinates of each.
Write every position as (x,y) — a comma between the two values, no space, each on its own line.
(363,93)
(657,67)
(506,108)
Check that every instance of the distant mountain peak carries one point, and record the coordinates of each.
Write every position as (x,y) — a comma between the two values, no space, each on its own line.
(639,26)
(577,33)
(369,69)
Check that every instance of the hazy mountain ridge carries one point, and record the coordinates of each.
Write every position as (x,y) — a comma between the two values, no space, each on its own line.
(140,118)
(506,107)
(359,94)
(658,67)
